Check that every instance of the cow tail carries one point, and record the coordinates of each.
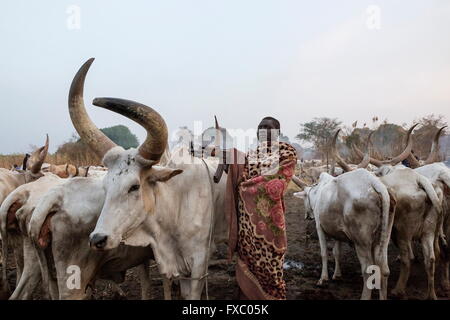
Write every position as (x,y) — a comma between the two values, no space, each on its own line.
(40,228)
(9,206)
(445,178)
(388,203)
(431,193)
(42,213)
(443,241)
(6,287)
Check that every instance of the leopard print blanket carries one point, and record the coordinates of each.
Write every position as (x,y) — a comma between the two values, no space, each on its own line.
(262,242)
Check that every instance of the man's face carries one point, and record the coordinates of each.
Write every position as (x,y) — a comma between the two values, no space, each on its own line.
(267,130)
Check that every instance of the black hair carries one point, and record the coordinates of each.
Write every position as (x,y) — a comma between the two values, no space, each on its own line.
(277,123)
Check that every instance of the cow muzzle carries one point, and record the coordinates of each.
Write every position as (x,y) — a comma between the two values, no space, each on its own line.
(98,241)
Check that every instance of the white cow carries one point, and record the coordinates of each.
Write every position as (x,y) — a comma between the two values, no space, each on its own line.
(355,207)
(15,212)
(418,216)
(60,228)
(439,175)
(173,208)
(10,180)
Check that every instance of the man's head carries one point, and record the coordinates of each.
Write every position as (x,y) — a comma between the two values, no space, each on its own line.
(268,129)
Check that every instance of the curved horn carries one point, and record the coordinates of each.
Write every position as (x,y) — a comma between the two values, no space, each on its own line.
(299,182)
(366,159)
(413,162)
(218,133)
(156,142)
(402,156)
(89,133)
(42,153)
(434,153)
(216,123)
(373,161)
(336,155)
(221,167)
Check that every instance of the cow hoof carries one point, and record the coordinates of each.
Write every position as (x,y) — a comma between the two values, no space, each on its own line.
(322,282)
(118,296)
(398,294)
(432,297)
(337,277)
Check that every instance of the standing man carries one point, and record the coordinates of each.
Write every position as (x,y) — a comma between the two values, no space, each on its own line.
(255,208)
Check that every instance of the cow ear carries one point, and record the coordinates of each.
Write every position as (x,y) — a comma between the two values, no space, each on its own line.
(163,174)
(301,194)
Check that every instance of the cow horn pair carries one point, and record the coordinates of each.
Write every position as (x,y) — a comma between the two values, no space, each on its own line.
(363,164)
(402,156)
(40,155)
(154,145)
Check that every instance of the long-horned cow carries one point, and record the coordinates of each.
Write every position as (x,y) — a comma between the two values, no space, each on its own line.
(439,175)
(15,212)
(355,207)
(10,180)
(418,215)
(173,208)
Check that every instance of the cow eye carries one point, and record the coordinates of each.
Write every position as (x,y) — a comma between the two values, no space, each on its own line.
(134,188)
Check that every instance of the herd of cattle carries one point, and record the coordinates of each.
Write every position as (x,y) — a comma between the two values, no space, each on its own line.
(155,204)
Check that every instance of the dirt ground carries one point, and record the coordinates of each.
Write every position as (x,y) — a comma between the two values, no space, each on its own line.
(303,251)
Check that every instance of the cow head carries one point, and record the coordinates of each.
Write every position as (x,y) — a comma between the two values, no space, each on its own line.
(132,178)
(305,196)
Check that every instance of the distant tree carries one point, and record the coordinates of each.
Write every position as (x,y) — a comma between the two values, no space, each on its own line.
(75,151)
(432,120)
(319,133)
(122,136)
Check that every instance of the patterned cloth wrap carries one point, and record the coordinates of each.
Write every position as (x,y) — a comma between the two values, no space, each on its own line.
(262,232)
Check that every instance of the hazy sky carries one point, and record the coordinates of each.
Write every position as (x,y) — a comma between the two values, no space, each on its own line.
(240,60)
